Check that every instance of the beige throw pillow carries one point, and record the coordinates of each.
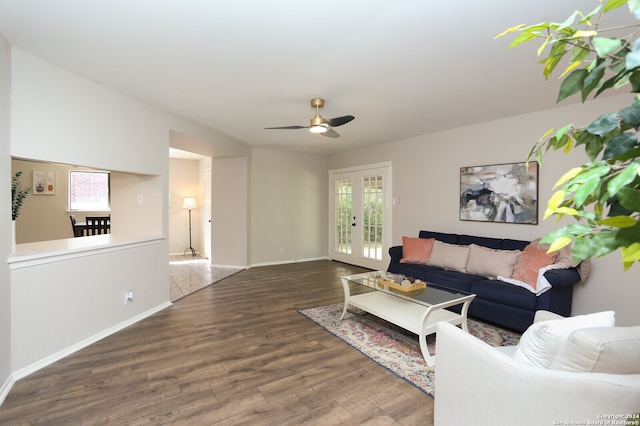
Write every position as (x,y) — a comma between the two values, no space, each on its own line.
(491,262)
(541,342)
(449,256)
(613,350)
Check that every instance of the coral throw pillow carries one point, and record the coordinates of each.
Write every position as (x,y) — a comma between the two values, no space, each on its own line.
(416,250)
(530,262)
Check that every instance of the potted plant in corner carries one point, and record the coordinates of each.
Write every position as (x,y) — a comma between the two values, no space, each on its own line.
(18,195)
(602,195)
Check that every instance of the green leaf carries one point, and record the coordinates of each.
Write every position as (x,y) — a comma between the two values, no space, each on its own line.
(631,115)
(579,52)
(558,243)
(634,79)
(632,59)
(585,33)
(603,124)
(585,190)
(593,79)
(605,46)
(572,84)
(523,38)
(631,254)
(598,244)
(613,4)
(624,178)
(594,147)
(577,229)
(634,8)
(566,177)
(590,173)
(562,131)
(629,198)
(618,222)
(619,145)
(510,30)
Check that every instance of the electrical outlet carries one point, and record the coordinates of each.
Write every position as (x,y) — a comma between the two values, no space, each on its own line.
(128,297)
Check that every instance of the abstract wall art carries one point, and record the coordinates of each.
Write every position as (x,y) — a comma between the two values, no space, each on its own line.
(506,193)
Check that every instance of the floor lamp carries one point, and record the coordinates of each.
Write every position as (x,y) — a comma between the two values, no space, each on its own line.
(189,203)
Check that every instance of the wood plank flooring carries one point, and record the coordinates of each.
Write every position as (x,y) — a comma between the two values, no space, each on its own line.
(237,352)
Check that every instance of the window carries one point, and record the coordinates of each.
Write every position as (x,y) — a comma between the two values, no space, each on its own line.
(88,191)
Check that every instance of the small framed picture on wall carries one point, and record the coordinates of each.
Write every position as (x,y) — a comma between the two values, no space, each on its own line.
(44,182)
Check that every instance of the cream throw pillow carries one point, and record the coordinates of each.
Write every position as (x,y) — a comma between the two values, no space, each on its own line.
(449,256)
(613,350)
(541,342)
(491,262)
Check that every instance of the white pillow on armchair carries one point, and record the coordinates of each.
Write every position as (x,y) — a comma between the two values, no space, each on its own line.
(541,342)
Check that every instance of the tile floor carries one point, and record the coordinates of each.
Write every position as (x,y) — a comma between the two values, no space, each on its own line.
(188,274)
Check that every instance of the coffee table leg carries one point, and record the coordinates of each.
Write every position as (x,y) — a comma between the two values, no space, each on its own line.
(463,313)
(345,288)
(422,338)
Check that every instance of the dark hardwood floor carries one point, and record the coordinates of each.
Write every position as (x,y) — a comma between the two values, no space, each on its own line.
(237,352)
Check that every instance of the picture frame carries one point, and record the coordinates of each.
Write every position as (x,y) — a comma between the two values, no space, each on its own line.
(503,193)
(44,182)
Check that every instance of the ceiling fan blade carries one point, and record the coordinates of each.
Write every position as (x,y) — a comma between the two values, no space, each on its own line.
(330,133)
(339,121)
(288,127)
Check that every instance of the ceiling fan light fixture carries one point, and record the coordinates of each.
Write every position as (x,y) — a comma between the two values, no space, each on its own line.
(318,128)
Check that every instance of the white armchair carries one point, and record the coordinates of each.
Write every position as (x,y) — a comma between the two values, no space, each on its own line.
(477,384)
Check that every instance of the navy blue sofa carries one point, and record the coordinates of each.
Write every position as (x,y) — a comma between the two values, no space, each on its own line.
(498,302)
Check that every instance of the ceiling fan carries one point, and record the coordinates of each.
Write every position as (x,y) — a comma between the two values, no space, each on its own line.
(321,125)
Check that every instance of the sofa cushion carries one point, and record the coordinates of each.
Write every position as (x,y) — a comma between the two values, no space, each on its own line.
(542,341)
(449,256)
(529,264)
(508,244)
(440,236)
(452,279)
(466,240)
(414,270)
(613,350)
(490,262)
(416,250)
(504,293)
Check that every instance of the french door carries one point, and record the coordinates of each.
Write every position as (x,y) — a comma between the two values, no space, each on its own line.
(360,215)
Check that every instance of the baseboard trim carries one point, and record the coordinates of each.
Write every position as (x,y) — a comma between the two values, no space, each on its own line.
(6,387)
(25,371)
(284,262)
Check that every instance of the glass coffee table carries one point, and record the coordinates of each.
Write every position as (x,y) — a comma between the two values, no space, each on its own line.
(415,310)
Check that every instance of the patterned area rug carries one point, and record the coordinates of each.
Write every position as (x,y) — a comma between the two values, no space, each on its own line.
(396,349)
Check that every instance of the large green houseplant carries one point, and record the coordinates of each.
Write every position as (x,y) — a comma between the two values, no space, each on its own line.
(603,195)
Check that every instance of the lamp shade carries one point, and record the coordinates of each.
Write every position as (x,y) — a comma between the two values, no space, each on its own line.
(189,203)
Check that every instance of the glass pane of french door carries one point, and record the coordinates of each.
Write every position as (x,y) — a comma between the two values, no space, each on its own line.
(343,215)
(372,215)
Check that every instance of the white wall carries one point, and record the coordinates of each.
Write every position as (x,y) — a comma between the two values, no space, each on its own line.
(229,206)
(426,178)
(5,218)
(80,122)
(288,206)
(59,305)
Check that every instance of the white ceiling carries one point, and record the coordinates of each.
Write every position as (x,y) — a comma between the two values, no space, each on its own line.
(401,67)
